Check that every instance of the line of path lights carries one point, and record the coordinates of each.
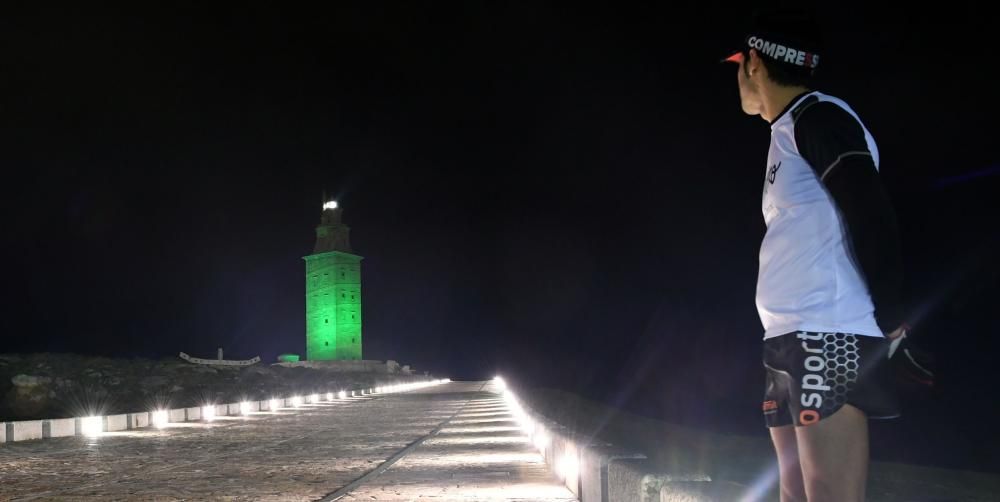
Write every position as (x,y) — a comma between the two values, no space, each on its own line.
(96,425)
(568,465)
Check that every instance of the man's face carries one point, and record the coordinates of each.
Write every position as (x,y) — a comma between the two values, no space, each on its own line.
(749,90)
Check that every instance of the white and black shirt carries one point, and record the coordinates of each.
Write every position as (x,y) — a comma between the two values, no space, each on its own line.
(829,261)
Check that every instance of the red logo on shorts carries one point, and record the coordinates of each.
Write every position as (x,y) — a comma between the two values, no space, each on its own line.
(770,405)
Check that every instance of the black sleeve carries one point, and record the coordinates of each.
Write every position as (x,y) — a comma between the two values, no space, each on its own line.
(832,141)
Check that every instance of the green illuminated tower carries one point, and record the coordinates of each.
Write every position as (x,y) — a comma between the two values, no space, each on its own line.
(333,292)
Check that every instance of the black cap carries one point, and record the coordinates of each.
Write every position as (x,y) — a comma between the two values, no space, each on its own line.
(788,36)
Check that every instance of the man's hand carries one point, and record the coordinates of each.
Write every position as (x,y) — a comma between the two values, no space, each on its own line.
(911,363)
(896,337)
(900,331)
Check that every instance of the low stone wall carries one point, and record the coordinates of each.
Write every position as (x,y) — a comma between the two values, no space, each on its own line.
(599,472)
(52,428)
(389,367)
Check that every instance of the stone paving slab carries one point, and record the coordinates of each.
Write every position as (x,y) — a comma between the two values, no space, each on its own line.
(479,455)
(301,454)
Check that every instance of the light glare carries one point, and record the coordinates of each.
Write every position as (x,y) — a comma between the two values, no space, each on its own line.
(161,418)
(244,408)
(567,466)
(541,440)
(330,205)
(91,426)
(208,412)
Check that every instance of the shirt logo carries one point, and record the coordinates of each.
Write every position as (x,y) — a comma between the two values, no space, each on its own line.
(772,172)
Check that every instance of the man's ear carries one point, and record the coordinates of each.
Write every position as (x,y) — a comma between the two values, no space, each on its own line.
(753,63)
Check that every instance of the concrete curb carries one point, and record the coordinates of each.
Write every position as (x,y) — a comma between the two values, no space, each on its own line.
(116,423)
(639,480)
(598,472)
(58,428)
(701,491)
(177,415)
(23,431)
(65,427)
(138,420)
(581,463)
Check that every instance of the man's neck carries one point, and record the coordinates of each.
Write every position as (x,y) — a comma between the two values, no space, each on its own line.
(777,98)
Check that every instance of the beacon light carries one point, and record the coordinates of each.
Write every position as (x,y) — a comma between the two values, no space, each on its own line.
(330,205)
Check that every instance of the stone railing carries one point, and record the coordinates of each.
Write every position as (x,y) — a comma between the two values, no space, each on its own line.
(96,425)
(599,472)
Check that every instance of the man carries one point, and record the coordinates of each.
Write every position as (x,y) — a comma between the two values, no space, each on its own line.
(830,273)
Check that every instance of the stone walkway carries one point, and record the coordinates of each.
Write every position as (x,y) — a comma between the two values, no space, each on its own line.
(454,441)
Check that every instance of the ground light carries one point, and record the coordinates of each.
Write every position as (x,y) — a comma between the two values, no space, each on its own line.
(541,439)
(160,418)
(273,404)
(208,412)
(296,401)
(92,426)
(244,408)
(567,466)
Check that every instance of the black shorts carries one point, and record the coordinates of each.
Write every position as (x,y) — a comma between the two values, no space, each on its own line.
(812,375)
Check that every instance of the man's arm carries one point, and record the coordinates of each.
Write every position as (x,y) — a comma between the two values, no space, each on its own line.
(833,143)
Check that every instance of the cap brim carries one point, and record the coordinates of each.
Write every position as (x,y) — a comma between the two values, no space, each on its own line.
(736,57)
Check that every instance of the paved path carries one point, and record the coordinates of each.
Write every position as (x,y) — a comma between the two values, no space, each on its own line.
(455,441)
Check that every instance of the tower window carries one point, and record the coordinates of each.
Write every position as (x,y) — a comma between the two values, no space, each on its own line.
(327,344)
(352,297)
(326,321)
(352,340)
(342,295)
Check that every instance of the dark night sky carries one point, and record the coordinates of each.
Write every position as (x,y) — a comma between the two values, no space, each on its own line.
(569,196)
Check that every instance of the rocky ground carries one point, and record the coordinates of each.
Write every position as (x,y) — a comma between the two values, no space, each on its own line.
(35,386)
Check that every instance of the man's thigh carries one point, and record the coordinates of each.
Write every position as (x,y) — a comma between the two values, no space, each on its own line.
(787,449)
(833,454)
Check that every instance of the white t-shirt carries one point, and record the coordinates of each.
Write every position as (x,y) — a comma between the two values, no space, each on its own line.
(808,279)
